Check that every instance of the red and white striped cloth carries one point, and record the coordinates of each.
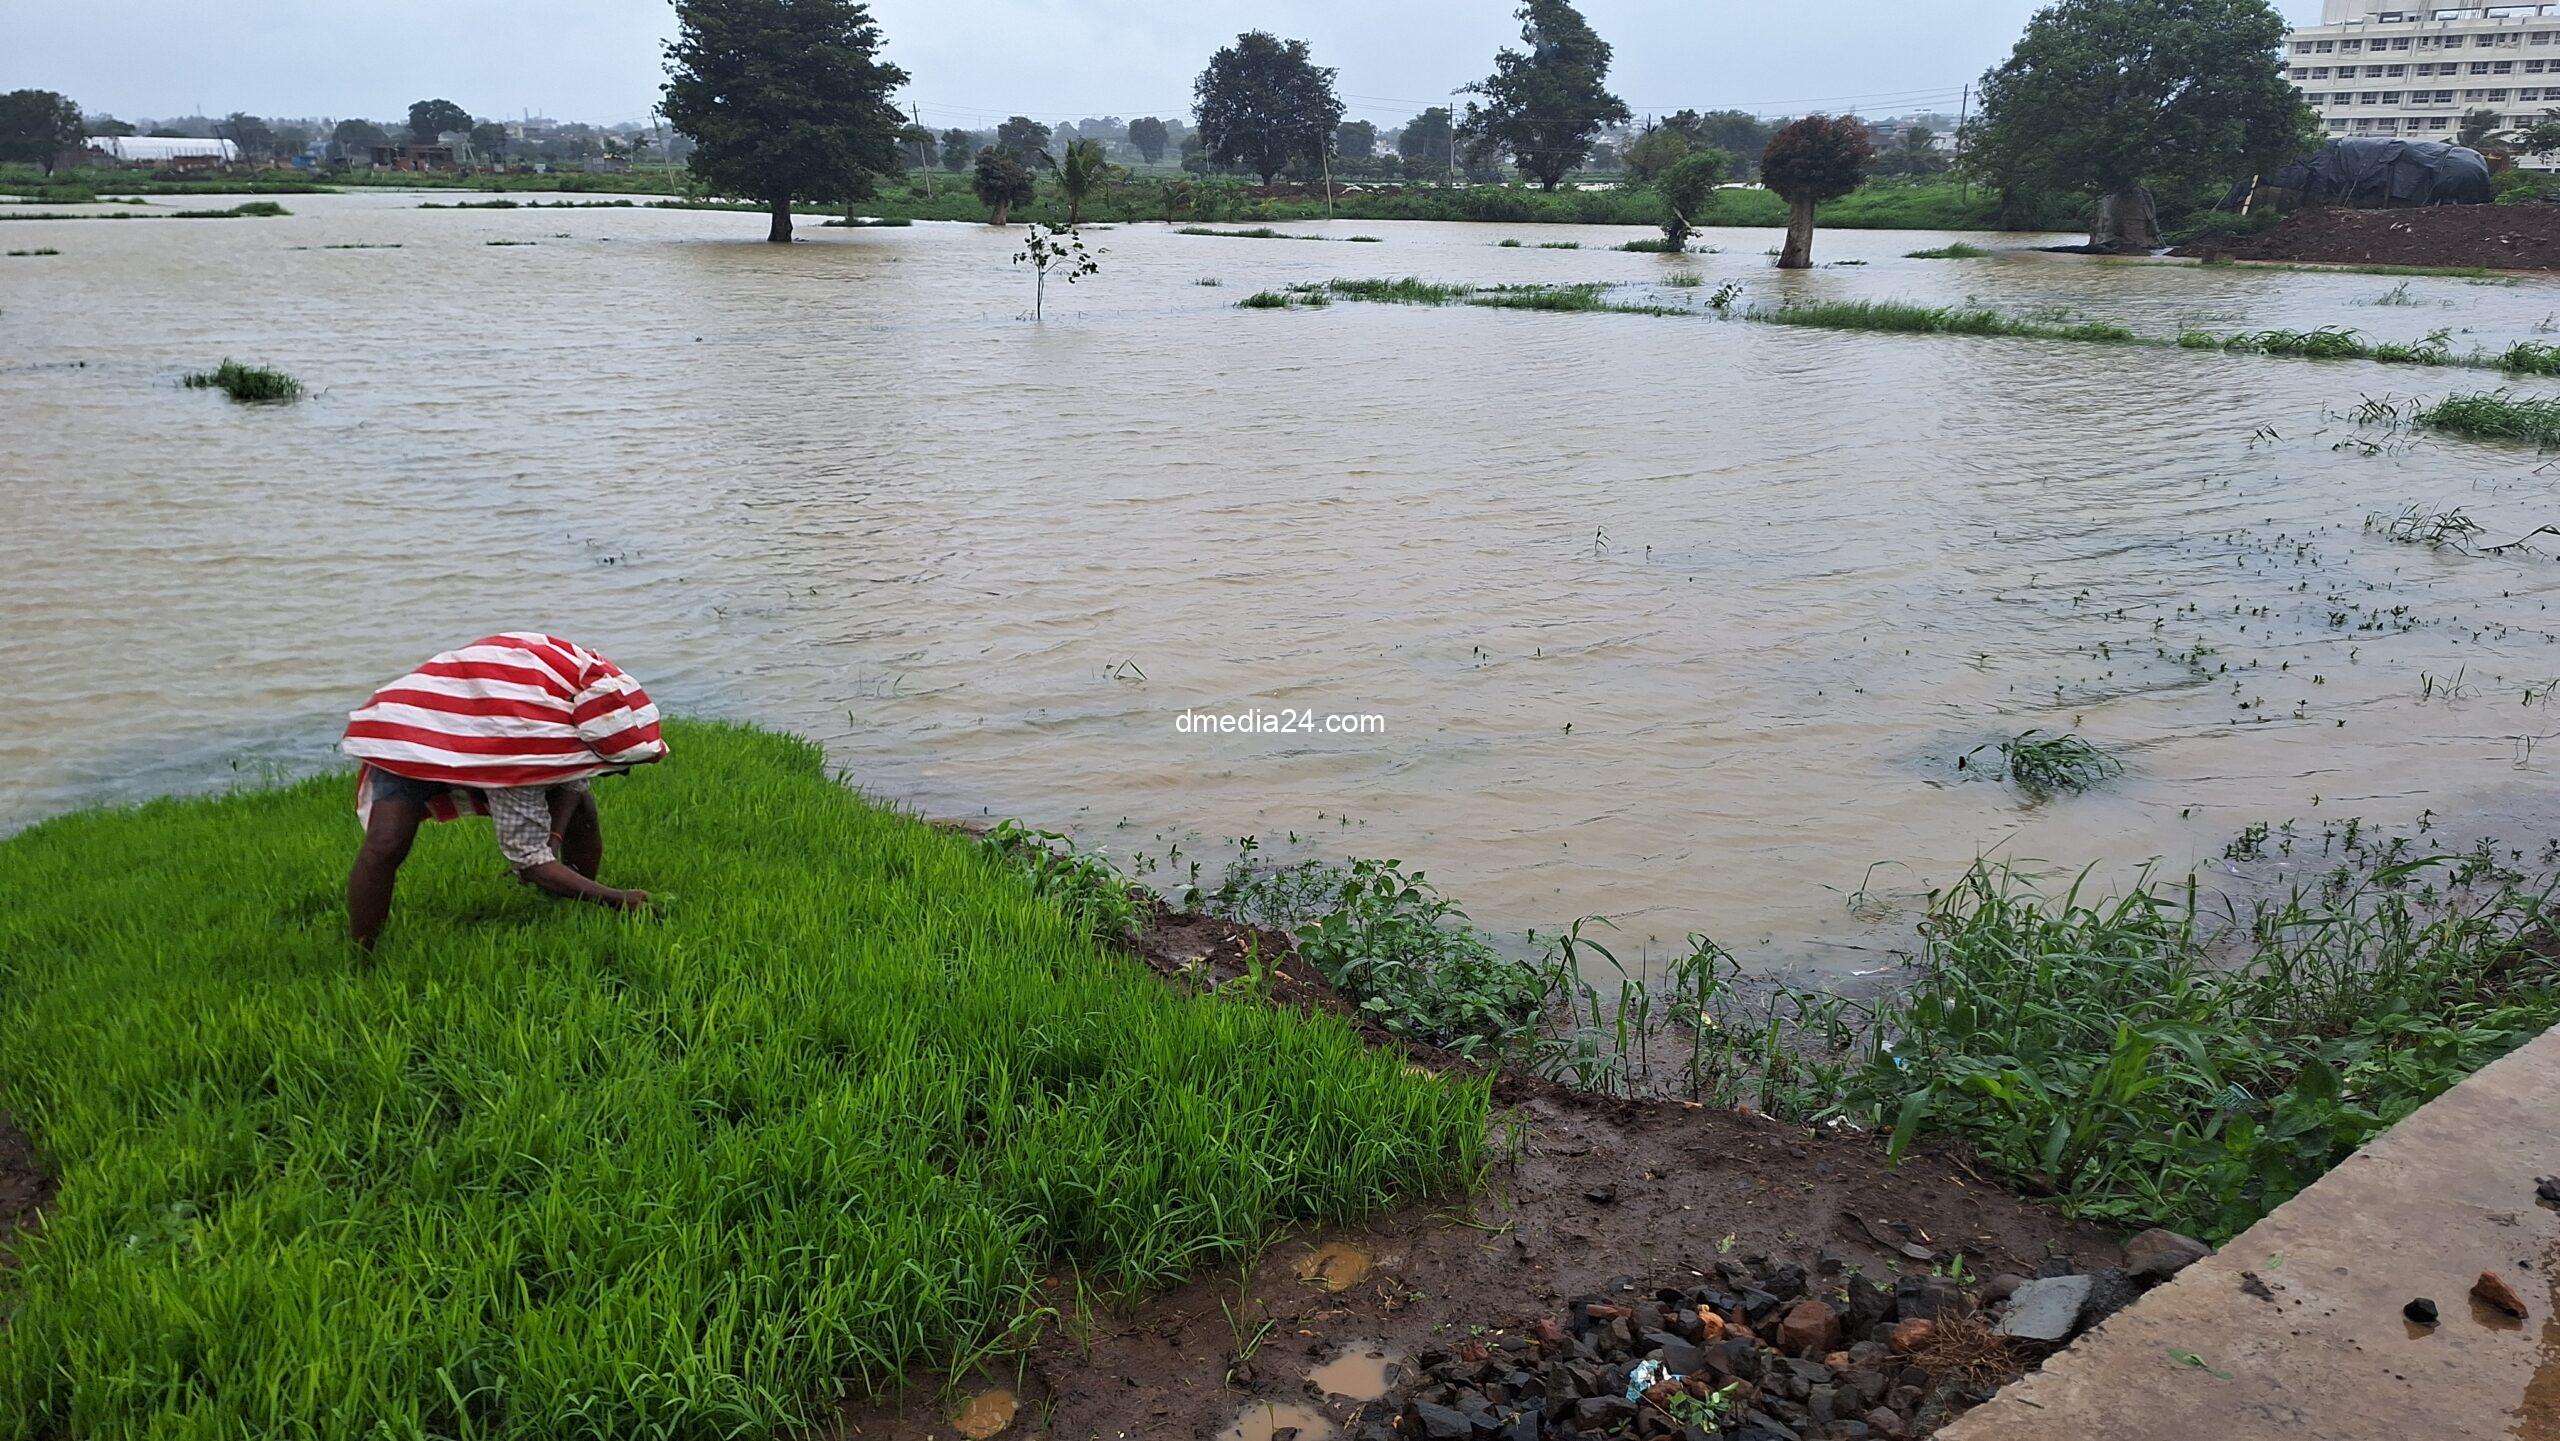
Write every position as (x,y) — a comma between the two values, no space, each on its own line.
(518,709)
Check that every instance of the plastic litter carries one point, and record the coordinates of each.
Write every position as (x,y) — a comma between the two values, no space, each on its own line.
(1646,1376)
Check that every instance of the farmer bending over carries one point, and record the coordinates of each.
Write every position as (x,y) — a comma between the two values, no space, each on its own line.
(512,728)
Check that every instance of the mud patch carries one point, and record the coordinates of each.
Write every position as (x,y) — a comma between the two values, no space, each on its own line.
(1337,1266)
(986,1415)
(1363,1372)
(25,1188)
(2501,237)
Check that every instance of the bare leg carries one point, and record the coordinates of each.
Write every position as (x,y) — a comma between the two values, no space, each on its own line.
(581,835)
(387,835)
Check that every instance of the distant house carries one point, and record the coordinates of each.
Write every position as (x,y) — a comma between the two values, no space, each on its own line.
(161,152)
(414,157)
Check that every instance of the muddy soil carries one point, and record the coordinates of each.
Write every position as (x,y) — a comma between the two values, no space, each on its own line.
(25,1189)
(2502,237)
(1590,1193)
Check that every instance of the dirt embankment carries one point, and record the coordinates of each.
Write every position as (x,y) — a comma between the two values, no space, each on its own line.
(1595,1193)
(2500,237)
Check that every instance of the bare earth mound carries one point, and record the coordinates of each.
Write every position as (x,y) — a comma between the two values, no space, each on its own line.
(2501,237)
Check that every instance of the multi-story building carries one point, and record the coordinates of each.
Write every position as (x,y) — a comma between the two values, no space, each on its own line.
(2414,70)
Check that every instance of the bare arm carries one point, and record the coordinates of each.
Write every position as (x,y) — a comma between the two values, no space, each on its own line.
(558,879)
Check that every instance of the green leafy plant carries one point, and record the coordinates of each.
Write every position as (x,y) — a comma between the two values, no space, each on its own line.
(2041,765)
(250,384)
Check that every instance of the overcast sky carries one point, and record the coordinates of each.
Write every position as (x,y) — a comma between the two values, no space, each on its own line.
(976,61)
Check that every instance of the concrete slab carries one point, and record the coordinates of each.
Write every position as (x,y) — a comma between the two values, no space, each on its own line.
(2294,1329)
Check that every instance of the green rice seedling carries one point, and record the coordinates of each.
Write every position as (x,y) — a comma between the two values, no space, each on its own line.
(2148,1068)
(2435,349)
(1900,317)
(1587,295)
(536,1170)
(1685,280)
(1267,300)
(2396,295)
(1411,290)
(2435,529)
(39,250)
(2497,415)
(1210,281)
(2041,765)
(1509,244)
(2527,357)
(1956,251)
(2199,340)
(254,384)
(1258,232)
(1559,245)
(1082,884)
(2329,342)
(1652,245)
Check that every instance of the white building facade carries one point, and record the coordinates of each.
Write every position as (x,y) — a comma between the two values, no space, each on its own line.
(2408,70)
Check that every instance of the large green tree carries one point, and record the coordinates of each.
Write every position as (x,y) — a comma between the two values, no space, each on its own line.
(255,137)
(1738,133)
(1149,137)
(1810,161)
(1264,102)
(353,140)
(36,126)
(2110,97)
(1546,105)
(956,149)
(429,119)
(784,99)
(1686,187)
(1023,138)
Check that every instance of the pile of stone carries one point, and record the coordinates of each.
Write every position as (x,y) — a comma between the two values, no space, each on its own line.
(1763,1351)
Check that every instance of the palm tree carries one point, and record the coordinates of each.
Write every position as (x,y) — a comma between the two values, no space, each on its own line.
(1080,170)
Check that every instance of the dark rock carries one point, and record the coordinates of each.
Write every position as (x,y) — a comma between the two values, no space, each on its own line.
(1757,1305)
(1603,1411)
(1870,1387)
(1930,1298)
(2422,1311)
(1678,1357)
(1885,1423)
(1439,1423)
(1821,1405)
(1867,1304)
(1759,1425)
(2110,1291)
(2047,1309)
(2156,1255)
(1601,1195)
(2053,1266)
(2546,1189)
(1786,1281)
(2000,1287)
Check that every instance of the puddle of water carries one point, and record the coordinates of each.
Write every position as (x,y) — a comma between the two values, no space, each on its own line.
(1279,1421)
(2538,1415)
(1361,1373)
(1337,1266)
(985,1415)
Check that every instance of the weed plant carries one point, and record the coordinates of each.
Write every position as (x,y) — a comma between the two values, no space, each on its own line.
(1957,251)
(1896,316)
(2042,765)
(539,1170)
(2497,415)
(255,384)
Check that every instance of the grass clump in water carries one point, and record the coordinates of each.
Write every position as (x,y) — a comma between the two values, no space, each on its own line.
(2041,765)
(248,383)
(250,210)
(1267,300)
(1900,317)
(1411,290)
(1258,232)
(1652,245)
(2497,415)
(538,1169)
(39,250)
(2147,1066)
(1957,251)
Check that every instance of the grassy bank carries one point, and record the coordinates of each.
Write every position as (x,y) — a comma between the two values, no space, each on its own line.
(539,1170)
(2149,1066)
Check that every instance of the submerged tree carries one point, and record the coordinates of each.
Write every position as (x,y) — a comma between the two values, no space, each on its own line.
(1685,189)
(2108,97)
(785,100)
(1546,106)
(1815,159)
(1055,247)
(1149,137)
(1264,102)
(36,126)
(1001,183)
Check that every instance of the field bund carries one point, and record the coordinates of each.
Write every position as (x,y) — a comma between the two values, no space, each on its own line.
(538,1170)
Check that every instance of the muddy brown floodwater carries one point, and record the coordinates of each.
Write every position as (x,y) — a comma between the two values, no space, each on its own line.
(1681,621)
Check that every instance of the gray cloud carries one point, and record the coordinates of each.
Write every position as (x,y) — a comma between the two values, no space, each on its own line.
(976,61)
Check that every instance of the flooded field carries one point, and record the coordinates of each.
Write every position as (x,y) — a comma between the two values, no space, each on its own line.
(1683,621)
